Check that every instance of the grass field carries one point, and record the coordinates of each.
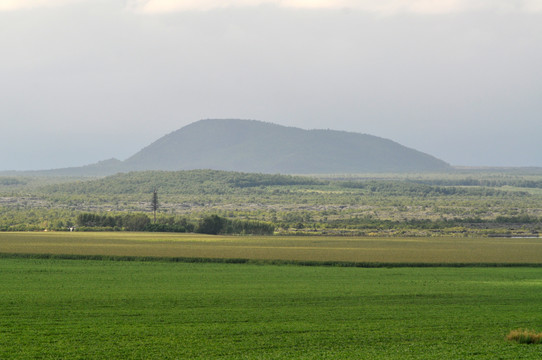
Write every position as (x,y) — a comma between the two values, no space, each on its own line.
(101,309)
(65,309)
(418,250)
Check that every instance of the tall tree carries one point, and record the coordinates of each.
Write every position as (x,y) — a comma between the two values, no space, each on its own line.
(154,203)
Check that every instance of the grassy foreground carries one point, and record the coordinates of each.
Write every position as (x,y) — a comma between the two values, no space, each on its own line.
(414,250)
(62,309)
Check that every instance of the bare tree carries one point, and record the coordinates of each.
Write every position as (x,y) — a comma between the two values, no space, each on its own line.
(154,203)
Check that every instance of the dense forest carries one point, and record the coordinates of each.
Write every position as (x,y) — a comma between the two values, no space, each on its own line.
(456,203)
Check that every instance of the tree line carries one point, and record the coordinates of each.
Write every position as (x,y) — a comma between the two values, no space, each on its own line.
(210,224)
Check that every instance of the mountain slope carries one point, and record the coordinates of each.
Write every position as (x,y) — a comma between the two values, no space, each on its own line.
(255,146)
(101,168)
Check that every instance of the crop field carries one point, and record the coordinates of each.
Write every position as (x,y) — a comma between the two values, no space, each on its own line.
(415,250)
(54,308)
(66,309)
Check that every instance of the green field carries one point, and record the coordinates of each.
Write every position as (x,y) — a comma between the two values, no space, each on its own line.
(414,250)
(101,309)
(66,309)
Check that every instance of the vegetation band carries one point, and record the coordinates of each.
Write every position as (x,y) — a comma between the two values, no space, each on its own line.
(258,261)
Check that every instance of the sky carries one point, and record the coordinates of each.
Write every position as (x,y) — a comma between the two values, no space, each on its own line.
(87,80)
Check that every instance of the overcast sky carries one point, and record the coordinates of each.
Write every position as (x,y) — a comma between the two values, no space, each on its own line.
(83,81)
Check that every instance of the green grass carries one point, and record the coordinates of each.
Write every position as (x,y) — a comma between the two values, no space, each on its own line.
(65,309)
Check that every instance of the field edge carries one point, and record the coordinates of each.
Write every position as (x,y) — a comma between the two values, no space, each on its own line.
(261,261)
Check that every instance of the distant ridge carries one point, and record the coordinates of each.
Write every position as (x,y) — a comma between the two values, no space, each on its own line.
(256,146)
(260,147)
(101,168)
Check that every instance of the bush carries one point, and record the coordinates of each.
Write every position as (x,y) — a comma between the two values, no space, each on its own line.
(215,224)
(525,336)
(165,228)
(249,227)
(97,228)
(135,222)
(212,225)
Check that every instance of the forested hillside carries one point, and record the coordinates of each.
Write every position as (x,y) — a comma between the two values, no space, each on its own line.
(178,182)
(387,204)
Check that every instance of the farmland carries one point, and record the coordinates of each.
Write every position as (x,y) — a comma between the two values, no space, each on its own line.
(140,310)
(394,250)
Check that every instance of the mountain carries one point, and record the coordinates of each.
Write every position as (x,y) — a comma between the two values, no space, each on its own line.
(260,147)
(255,146)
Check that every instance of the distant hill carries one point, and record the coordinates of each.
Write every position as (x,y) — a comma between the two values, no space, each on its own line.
(255,146)
(101,168)
(260,147)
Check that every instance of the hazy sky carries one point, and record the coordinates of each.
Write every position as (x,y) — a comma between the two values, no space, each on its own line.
(83,81)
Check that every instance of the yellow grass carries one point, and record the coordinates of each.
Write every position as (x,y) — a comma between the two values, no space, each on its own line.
(523,336)
(347,249)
